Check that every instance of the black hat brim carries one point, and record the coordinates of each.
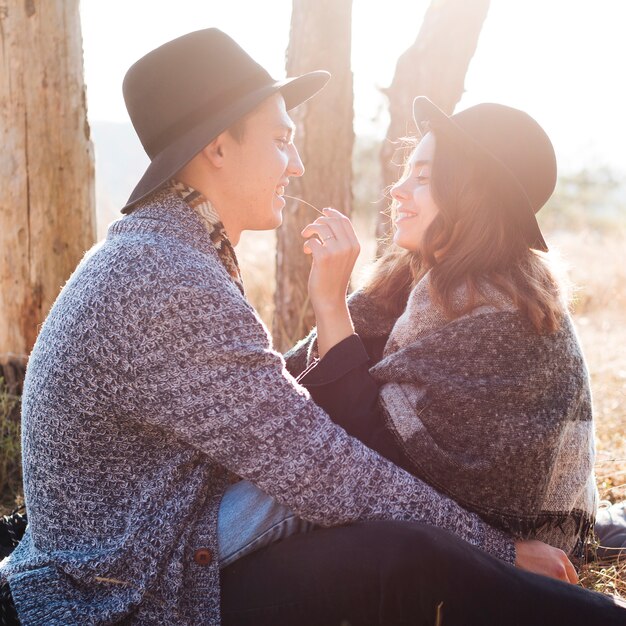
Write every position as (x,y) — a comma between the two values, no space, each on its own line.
(179,152)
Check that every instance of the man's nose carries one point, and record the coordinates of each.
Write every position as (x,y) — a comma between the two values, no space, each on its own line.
(295,166)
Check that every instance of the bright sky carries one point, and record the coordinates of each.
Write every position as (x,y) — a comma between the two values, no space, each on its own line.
(560,60)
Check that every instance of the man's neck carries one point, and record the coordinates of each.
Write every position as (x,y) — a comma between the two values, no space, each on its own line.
(217,202)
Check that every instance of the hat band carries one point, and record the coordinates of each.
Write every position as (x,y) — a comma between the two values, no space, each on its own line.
(206,109)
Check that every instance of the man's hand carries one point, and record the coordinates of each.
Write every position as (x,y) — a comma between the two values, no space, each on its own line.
(540,558)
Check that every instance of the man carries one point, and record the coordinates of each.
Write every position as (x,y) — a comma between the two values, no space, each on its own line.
(153,386)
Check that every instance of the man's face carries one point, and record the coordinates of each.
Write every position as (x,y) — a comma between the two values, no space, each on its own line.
(256,169)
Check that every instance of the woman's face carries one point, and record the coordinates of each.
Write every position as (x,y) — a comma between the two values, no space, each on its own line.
(415,208)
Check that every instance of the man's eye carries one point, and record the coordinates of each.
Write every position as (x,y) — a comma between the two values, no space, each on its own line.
(283,141)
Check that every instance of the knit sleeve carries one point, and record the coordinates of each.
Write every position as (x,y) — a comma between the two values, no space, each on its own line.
(371,323)
(341,384)
(302,355)
(205,373)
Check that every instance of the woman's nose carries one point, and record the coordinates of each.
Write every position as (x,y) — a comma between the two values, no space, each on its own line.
(397,191)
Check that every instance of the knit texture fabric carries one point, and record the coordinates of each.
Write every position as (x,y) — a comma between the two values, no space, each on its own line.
(494,414)
(489,412)
(151,383)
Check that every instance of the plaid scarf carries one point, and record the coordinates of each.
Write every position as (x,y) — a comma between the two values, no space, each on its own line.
(215,228)
(489,412)
(494,415)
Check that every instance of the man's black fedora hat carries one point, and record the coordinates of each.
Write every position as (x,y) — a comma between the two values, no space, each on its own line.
(186,92)
(516,148)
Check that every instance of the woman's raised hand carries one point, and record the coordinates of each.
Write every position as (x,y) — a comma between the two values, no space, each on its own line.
(335,248)
(332,242)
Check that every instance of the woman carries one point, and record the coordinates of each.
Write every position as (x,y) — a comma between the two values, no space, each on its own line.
(479,386)
(482,387)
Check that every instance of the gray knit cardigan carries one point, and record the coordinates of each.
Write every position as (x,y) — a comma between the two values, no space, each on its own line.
(151,384)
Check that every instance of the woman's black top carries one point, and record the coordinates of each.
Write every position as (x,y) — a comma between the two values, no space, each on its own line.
(341,384)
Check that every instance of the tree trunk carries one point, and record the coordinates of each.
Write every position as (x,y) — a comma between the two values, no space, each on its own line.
(320,39)
(434,66)
(47,214)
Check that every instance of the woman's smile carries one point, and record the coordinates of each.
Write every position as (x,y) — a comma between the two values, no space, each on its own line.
(415,207)
(404,215)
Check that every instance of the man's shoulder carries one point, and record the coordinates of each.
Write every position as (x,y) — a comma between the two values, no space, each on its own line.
(163,219)
(139,249)
(143,263)
(161,238)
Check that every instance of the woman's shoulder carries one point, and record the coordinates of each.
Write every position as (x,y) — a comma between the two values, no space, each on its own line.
(368,317)
(493,300)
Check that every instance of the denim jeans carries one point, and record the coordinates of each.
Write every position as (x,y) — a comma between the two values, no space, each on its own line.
(249,519)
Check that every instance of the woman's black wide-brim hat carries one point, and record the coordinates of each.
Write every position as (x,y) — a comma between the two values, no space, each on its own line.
(515,147)
(185,93)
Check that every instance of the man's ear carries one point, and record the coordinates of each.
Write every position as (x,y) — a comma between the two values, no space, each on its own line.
(214,151)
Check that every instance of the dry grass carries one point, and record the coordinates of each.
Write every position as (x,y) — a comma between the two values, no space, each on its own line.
(598,271)
(607,577)
(10,464)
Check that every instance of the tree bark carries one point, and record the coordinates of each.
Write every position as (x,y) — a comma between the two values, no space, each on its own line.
(435,66)
(320,38)
(47,205)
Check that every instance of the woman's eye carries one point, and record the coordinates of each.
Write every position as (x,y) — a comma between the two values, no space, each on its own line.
(283,141)
(421,179)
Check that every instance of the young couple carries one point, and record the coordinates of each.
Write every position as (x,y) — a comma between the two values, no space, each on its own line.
(153,389)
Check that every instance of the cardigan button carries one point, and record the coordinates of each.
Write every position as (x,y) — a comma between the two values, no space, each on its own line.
(203,556)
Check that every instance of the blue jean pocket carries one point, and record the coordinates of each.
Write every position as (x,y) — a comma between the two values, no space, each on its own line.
(249,519)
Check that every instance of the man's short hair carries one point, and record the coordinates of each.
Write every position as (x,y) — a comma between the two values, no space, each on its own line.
(238,129)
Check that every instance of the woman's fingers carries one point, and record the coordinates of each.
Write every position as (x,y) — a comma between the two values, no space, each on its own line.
(313,246)
(324,232)
(331,241)
(339,219)
(324,251)
(335,229)
(341,224)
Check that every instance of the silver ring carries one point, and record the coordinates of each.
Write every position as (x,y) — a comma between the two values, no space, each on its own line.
(329,237)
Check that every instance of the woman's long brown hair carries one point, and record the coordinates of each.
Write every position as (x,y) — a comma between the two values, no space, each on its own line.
(474,239)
